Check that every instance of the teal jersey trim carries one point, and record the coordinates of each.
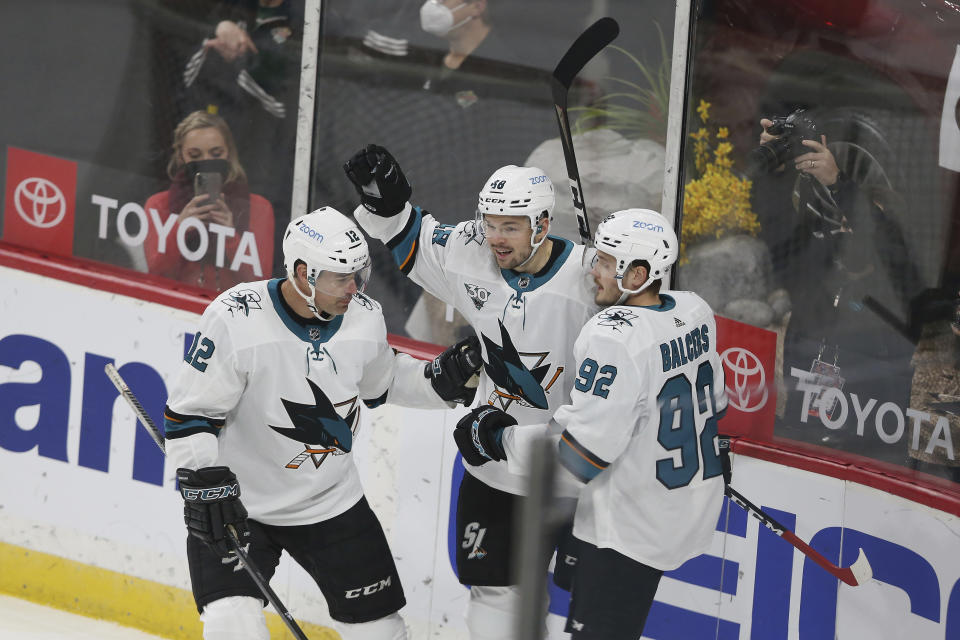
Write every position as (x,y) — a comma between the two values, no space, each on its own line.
(530,282)
(322,331)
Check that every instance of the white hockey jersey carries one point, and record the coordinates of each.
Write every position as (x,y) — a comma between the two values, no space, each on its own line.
(526,323)
(641,430)
(277,399)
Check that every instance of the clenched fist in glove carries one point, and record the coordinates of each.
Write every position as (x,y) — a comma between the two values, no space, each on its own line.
(211,502)
(383,188)
(455,373)
(479,434)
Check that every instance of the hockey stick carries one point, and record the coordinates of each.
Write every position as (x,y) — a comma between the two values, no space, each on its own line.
(584,48)
(244,559)
(856,574)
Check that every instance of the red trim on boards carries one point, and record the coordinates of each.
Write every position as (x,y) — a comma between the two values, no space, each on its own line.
(915,486)
(922,488)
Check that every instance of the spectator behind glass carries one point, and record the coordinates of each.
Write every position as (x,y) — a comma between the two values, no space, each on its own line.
(838,250)
(248,73)
(209,244)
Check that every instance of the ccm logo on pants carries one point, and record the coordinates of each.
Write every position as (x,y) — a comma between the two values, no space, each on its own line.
(370,589)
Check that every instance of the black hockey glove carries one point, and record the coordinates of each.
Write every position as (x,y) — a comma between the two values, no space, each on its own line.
(383,188)
(211,498)
(455,373)
(723,445)
(479,434)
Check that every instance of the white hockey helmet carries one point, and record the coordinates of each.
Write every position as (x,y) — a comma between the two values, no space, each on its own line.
(517,191)
(325,240)
(638,234)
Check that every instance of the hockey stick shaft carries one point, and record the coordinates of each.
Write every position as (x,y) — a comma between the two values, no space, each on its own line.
(856,574)
(591,42)
(244,559)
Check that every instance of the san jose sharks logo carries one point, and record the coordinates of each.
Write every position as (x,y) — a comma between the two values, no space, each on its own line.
(469,233)
(319,426)
(514,379)
(363,301)
(242,301)
(616,318)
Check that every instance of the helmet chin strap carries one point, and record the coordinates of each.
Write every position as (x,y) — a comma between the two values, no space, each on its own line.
(323,316)
(626,293)
(533,247)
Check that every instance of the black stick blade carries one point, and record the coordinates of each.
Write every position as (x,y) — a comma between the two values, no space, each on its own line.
(590,43)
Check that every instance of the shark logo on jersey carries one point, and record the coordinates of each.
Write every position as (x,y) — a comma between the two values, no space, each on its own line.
(512,377)
(470,234)
(319,454)
(477,294)
(616,318)
(318,423)
(364,301)
(242,301)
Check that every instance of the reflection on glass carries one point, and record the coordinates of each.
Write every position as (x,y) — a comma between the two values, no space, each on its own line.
(223,233)
(100,128)
(456,89)
(814,208)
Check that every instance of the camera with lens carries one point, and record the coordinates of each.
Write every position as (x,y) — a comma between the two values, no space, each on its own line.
(791,131)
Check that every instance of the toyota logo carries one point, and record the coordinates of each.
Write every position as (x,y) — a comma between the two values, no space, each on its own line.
(40,202)
(749,391)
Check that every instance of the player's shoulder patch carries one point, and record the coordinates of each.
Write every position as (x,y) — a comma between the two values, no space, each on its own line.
(468,232)
(366,302)
(616,319)
(242,301)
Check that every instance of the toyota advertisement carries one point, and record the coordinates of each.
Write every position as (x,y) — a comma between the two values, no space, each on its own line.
(40,201)
(78,209)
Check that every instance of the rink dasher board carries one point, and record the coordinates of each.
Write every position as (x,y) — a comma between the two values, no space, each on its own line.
(102,504)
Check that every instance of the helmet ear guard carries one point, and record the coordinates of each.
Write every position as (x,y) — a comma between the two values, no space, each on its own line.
(638,234)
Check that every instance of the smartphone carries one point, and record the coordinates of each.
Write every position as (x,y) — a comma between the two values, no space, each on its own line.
(208,184)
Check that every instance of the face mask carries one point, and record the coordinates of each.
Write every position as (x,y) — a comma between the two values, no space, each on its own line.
(437,19)
(216,165)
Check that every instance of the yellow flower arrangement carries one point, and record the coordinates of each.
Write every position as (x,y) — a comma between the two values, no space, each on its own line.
(716,202)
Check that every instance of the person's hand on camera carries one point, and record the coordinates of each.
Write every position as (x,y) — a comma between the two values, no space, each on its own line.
(818,162)
(230,41)
(764,136)
(199,207)
(220,213)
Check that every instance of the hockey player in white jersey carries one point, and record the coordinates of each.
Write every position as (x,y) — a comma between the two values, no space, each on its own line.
(639,432)
(267,403)
(526,295)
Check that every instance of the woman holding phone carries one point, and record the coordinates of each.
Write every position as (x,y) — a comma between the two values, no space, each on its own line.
(207,229)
